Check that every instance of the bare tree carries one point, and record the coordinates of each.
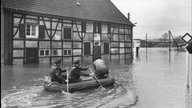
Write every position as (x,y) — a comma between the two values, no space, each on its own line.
(165,38)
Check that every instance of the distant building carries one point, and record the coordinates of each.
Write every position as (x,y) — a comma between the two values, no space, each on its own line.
(38,31)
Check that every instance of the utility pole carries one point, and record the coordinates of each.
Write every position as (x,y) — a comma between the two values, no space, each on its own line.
(169,42)
(190,69)
(187,68)
(146,46)
(146,42)
(169,47)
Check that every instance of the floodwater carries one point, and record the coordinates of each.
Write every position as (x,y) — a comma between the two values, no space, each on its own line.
(155,79)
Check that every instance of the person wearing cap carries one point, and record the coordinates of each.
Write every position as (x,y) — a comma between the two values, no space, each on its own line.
(101,70)
(56,72)
(76,72)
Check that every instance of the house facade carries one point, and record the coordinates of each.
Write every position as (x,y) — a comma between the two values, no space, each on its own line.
(40,31)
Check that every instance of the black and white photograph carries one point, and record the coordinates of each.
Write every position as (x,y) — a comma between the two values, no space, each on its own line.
(96,53)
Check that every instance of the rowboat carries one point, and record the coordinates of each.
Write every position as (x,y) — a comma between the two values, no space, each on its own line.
(82,85)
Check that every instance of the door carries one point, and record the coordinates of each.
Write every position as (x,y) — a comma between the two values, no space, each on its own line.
(97,50)
(31,55)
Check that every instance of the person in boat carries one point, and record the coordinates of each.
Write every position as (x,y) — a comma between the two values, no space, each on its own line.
(101,70)
(56,73)
(76,72)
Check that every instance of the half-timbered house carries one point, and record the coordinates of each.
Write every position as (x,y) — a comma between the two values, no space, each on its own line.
(38,31)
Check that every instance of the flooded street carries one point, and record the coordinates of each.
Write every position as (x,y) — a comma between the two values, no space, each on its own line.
(161,79)
(152,80)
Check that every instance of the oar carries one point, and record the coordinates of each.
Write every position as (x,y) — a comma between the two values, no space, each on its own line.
(67,80)
(96,77)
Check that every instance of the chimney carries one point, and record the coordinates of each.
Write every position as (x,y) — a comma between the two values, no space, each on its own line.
(128,16)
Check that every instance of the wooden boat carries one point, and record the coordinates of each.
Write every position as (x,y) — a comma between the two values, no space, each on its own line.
(86,84)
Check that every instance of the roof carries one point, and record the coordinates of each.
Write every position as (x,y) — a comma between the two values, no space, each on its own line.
(98,10)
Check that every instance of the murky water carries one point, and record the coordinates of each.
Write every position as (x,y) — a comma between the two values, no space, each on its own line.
(160,79)
(153,81)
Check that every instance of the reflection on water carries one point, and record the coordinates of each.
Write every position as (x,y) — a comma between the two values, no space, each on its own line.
(153,80)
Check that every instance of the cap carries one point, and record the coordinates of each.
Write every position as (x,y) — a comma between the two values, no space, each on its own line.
(76,62)
(58,61)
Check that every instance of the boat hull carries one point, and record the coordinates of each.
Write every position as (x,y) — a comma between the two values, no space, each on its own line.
(56,87)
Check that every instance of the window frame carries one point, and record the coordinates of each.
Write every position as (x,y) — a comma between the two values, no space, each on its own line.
(30,35)
(68,54)
(44,52)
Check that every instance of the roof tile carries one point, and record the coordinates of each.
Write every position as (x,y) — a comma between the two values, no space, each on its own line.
(99,10)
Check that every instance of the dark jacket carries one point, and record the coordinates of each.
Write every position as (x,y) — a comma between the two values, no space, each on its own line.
(76,73)
(57,77)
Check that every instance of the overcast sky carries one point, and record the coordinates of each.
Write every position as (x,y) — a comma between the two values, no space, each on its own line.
(155,17)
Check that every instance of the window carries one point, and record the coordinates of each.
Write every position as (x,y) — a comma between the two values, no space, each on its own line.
(97,28)
(32,31)
(44,52)
(47,52)
(67,52)
(41,52)
(67,33)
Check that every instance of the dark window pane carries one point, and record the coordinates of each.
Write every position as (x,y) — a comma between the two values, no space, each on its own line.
(69,52)
(28,29)
(47,52)
(41,52)
(65,52)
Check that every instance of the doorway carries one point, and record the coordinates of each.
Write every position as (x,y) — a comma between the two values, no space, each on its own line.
(97,50)
(31,55)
